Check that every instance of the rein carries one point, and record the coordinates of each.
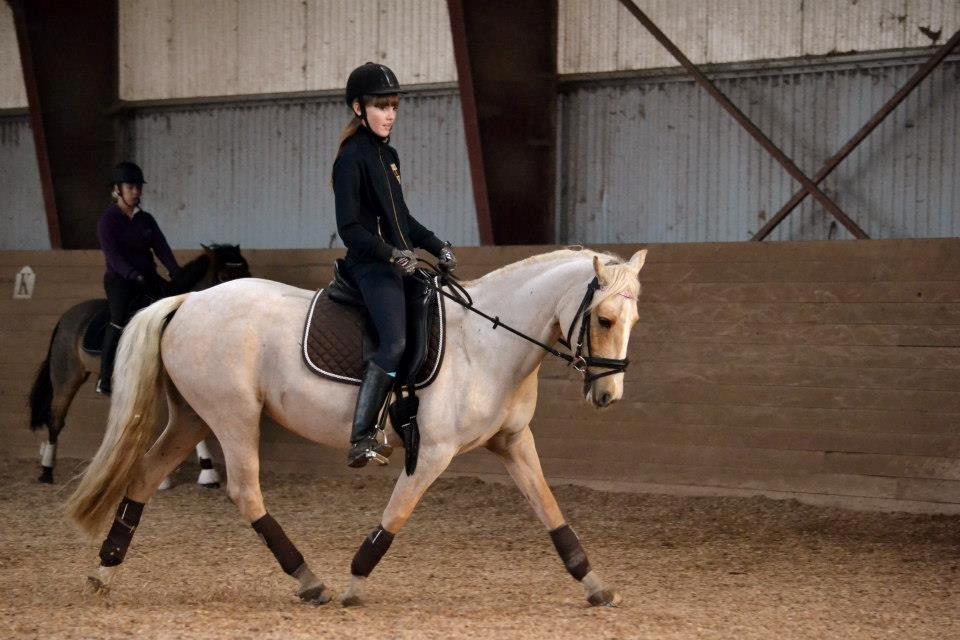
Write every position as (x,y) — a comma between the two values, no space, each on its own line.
(578,360)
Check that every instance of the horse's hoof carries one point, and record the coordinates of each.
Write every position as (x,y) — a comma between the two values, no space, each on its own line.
(316,595)
(96,586)
(209,485)
(166,484)
(605,598)
(46,475)
(350,600)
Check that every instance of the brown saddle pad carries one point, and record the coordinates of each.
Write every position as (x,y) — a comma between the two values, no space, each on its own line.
(334,336)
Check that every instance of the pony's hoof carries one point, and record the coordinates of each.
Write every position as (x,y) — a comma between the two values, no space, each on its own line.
(209,485)
(166,485)
(605,598)
(46,475)
(316,595)
(96,586)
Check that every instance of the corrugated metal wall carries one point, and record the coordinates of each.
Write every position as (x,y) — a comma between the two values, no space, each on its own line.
(258,173)
(657,160)
(23,222)
(600,35)
(13,95)
(184,48)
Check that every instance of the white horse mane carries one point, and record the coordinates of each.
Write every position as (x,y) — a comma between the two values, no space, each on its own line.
(623,281)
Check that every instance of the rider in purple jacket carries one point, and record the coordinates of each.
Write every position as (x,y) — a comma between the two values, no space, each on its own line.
(129,238)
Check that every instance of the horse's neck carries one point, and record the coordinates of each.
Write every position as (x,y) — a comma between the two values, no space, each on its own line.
(528,297)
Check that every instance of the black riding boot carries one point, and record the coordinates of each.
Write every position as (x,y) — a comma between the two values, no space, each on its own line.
(374,390)
(111,338)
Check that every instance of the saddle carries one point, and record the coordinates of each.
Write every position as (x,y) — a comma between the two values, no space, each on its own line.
(92,342)
(339,337)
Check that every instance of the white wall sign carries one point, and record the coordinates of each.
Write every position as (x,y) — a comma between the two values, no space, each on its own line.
(23,283)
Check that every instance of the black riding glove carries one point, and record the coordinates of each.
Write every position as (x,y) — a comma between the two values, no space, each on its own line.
(404,261)
(448,261)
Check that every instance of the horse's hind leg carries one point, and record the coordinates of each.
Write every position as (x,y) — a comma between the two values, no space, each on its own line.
(519,454)
(184,430)
(240,452)
(209,478)
(67,374)
(406,495)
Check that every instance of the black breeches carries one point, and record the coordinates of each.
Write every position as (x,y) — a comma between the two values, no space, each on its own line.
(124,297)
(385,294)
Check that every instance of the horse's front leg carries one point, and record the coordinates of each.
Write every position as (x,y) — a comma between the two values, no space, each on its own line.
(406,495)
(519,455)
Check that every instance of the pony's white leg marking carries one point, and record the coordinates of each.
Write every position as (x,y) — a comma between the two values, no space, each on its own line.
(209,477)
(48,454)
(519,455)
(406,494)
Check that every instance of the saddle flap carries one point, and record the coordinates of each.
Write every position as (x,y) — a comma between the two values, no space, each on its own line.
(339,338)
(92,341)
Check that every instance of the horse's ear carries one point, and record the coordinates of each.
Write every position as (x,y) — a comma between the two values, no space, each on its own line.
(206,249)
(637,260)
(601,271)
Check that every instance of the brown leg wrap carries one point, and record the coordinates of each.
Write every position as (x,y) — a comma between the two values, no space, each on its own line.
(114,548)
(277,541)
(370,552)
(573,556)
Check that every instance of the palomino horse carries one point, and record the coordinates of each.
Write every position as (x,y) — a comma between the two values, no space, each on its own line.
(68,364)
(232,352)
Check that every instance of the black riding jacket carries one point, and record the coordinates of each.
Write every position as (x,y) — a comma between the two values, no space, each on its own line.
(372,216)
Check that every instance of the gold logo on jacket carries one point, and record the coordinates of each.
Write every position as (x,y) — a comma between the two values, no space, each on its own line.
(396,172)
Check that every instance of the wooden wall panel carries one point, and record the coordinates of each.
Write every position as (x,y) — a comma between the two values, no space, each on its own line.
(827,371)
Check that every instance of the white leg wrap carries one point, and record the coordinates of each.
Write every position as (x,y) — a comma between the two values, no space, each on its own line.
(203,451)
(48,454)
(208,476)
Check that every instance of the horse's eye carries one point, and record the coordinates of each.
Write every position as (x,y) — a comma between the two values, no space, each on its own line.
(606,323)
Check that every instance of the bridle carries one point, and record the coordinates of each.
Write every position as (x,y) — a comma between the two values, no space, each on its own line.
(581,359)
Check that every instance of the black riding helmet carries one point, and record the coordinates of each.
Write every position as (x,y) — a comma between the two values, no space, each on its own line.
(371,79)
(127,172)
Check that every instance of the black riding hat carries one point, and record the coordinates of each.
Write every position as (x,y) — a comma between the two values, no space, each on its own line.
(371,79)
(127,172)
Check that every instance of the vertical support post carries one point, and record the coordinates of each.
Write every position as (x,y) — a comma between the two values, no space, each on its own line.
(36,123)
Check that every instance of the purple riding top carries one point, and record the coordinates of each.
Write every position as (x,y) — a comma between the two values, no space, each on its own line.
(127,243)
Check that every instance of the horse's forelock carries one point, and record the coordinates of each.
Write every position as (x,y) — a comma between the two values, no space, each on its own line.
(621,280)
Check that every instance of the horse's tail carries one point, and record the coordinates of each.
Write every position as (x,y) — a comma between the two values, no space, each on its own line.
(41,394)
(134,412)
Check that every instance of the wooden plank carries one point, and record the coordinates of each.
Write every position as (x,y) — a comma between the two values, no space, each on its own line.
(928,379)
(759,417)
(935,291)
(812,438)
(736,333)
(901,313)
(789,355)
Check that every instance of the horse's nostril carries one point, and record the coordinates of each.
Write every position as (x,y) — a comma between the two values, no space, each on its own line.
(605,400)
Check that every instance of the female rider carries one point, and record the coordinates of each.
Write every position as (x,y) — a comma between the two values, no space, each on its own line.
(127,236)
(380,234)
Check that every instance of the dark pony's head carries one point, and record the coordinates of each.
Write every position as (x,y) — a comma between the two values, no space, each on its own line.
(218,263)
